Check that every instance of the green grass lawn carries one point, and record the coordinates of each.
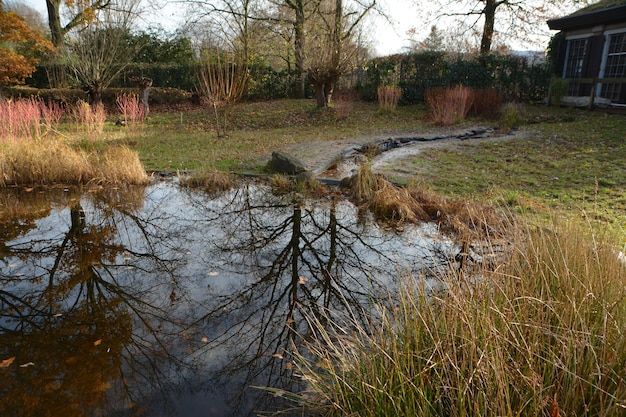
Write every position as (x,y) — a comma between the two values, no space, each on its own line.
(569,159)
(187,140)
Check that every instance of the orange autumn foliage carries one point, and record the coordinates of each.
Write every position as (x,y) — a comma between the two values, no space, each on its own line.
(16,35)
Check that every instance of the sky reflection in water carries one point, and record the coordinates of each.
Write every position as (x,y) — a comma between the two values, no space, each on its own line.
(162,301)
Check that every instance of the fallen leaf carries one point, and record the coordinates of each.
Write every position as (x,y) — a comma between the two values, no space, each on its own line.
(277,355)
(27,364)
(205,339)
(7,362)
(97,342)
(302,280)
(213,273)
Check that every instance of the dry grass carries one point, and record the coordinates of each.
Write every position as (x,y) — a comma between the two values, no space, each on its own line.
(448,106)
(211,180)
(541,335)
(35,153)
(55,162)
(89,120)
(388,97)
(30,118)
(117,165)
(395,204)
(464,219)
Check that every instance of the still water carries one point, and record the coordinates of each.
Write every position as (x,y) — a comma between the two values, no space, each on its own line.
(164,301)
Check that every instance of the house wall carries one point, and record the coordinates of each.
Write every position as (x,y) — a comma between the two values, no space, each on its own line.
(593,64)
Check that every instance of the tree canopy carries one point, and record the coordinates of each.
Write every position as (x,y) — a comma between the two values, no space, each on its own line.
(20,48)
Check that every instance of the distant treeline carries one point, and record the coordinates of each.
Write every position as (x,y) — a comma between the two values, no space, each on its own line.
(514,77)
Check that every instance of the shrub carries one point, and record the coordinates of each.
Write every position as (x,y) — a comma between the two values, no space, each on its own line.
(388,97)
(511,116)
(449,105)
(486,102)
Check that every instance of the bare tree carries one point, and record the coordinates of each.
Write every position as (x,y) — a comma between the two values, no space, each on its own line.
(513,18)
(222,81)
(99,52)
(333,45)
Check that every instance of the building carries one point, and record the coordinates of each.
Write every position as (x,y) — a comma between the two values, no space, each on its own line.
(592,54)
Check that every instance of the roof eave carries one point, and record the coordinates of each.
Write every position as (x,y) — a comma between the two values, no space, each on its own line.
(604,16)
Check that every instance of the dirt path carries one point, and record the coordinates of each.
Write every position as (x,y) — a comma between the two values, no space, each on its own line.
(326,158)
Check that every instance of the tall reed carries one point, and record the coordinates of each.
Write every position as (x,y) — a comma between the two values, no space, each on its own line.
(131,108)
(55,162)
(89,120)
(448,105)
(541,335)
(388,97)
(27,119)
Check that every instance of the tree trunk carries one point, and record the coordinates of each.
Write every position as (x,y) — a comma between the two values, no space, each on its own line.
(144,84)
(320,96)
(490,17)
(54,22)
(94,92)
(299,41)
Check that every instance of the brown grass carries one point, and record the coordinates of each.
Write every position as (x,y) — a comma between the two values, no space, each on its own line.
(388,97)
(55,162)
(461,218)
(117,165)
(395,204)
(449,105)
(211,181)
(541,335)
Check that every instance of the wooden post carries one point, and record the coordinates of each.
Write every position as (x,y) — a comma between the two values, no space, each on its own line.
(594,83)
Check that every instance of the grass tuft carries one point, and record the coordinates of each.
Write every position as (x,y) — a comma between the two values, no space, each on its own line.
(212,181)
(542,334)
(55,162)
(449,105)
(388,97)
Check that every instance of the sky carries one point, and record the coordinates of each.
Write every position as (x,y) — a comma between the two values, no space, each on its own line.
(388,37)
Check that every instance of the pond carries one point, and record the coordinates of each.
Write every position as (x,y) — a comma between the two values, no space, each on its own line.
(165,301)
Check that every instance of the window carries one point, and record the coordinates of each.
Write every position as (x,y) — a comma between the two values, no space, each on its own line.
(615,66)
(575,58)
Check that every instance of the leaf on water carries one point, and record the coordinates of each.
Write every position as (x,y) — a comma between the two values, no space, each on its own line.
(277,355)
(205,339)
(7,362)
(27,364)
(97,342)
(58,315)
(302,280)
(213,273)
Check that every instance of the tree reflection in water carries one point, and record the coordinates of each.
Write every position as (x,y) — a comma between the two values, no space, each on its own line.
(161,301)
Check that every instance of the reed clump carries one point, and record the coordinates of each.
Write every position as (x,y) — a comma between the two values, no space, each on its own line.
(211,181)
(541,335)
(449,105)
(388,97)
(55,162)
(461,218)
(34,152)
